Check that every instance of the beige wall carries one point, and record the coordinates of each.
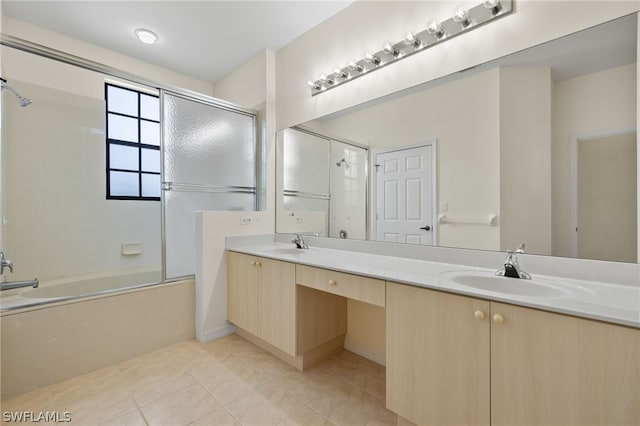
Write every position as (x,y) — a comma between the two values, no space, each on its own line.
(525,159)
(42,346)
(463,117)
(579,112)
(366,330)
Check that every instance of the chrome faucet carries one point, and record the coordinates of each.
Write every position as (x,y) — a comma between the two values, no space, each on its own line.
(299,242)
(5,263)
(9,285)
(512,268)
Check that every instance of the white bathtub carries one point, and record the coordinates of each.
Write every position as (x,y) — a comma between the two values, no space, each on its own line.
(77,286)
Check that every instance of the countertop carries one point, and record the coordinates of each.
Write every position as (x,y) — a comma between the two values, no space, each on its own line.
(614,303)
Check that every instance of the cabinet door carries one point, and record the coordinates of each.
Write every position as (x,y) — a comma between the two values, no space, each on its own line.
(276,304)
(437,356)
(554,369)
(242,291)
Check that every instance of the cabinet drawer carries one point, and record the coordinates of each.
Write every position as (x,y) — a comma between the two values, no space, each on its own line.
(356,287)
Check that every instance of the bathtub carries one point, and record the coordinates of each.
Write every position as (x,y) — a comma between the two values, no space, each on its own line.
(74,287)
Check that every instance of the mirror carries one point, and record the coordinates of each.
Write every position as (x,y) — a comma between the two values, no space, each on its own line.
(538,147)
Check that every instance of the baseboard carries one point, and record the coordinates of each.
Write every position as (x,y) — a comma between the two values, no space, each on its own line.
(215,334)
(365,352)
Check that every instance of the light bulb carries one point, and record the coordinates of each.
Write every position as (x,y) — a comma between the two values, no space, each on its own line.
(493,5)
(390,50)
(313,85)
(337,71)
(323,78)
(461,15)
(435,29)
(410,39)
(355,66)
(370,57)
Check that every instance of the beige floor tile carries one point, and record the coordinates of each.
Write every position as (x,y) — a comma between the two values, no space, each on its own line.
(132,418)
(347,405)
(308,385)
(254,409)
(180,408)
(158,385)
(219,417)
(384,418)
(305,416)
(94,408)
(226,382)
(36,401)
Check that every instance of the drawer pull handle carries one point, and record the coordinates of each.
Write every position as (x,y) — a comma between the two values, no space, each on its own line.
(333,282)
(479,314)
(497,318)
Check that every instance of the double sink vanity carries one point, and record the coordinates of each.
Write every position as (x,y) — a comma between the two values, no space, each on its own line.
(463,346)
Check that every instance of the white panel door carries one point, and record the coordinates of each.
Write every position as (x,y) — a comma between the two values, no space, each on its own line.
(404,194)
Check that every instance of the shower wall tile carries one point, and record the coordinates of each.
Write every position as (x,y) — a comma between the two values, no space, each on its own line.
(59,220)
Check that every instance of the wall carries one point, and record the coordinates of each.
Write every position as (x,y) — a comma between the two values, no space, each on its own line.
(42,346)
(578,115)
(463,117)
(525,159)
(59,222)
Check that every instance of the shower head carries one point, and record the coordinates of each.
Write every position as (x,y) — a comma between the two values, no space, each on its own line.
(339,163)
(23,101)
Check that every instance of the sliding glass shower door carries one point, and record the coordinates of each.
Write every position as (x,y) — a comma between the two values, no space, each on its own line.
(209,164)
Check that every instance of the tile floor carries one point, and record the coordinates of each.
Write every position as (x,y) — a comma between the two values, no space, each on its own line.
(226,382)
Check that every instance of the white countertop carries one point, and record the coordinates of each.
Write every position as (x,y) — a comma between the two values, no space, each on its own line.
(615,303)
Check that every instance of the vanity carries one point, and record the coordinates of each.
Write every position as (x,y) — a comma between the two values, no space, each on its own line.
(456,353)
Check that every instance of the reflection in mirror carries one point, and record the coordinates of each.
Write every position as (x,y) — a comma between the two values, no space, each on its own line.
(323,185)
(538,147)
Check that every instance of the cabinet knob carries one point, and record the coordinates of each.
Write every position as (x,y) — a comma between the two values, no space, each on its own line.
(479,314)
(497,318)
(258,263)
(253,263)
(333,282)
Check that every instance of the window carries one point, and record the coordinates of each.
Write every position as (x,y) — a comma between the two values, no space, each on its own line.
(133,144)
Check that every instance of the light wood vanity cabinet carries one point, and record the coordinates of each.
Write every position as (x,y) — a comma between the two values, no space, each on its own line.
(459,360)
(261,297)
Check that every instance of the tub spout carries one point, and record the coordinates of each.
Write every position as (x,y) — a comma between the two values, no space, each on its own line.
(8,285)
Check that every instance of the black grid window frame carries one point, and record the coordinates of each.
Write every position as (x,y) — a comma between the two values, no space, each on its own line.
(139,145)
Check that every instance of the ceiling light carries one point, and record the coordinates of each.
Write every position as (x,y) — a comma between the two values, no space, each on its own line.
(146,36)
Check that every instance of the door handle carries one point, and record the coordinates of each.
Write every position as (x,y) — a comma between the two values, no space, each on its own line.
(426,228)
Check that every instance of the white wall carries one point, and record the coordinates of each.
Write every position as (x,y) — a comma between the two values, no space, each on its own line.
(59,222)
(587,105)
(339,39)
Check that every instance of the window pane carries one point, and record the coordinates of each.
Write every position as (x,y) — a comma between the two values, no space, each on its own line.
(123,128)
(124,184)
(149,107)
(123,157)
(150,185)
(122,101)
(150,160)
(150,132)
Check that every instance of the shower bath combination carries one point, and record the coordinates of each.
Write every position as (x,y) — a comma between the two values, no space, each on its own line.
(23,101)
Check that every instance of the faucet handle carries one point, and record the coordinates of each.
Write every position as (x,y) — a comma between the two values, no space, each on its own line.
(520,249)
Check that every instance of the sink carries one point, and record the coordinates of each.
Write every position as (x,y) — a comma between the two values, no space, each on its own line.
(287,250)
(487,281)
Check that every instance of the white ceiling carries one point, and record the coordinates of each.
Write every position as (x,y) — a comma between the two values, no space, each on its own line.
(203,39)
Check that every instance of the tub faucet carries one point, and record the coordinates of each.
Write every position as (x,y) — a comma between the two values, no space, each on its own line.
(299,242)
(9,285)
(5,263)
(512,268)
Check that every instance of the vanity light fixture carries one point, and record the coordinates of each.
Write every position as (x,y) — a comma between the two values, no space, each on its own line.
(463,20)
(146,36)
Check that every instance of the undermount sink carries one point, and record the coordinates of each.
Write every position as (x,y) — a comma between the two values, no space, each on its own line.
(287,250)
(487,281)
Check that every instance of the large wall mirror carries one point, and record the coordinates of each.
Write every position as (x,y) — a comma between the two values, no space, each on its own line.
(536,148)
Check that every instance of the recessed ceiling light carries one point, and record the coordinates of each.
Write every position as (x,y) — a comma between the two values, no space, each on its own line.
(146,36)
